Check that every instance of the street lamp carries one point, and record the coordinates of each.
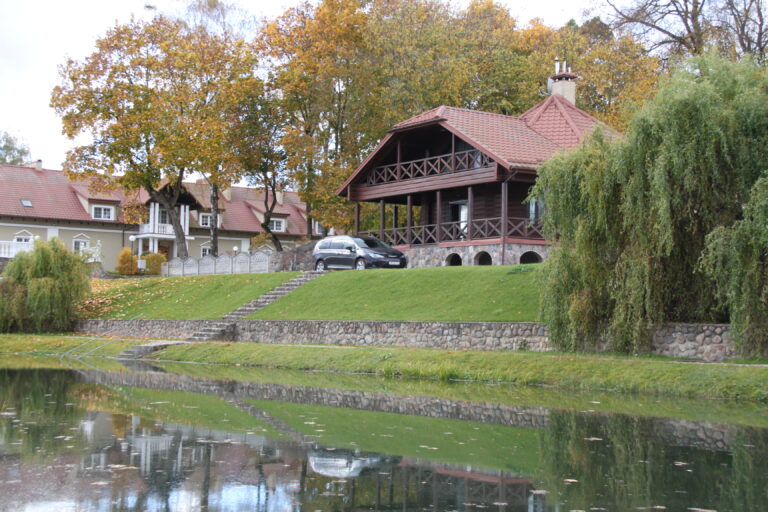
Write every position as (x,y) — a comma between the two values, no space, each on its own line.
(132,239)
(234,250)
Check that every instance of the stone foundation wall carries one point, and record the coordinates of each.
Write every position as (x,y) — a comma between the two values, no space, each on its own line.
(711,343)
(436,256)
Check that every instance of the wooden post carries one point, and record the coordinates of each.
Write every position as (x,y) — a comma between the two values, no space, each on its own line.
(399,160)
(504,218)
(381,219)
(409,219)
(439,214)
(394,217)
(453,152)
(357,218)
(470,207)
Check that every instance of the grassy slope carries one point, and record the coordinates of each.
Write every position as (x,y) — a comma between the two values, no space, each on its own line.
(565,371)
(452,294)
(198,297)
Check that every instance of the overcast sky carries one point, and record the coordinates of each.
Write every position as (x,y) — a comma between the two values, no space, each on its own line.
(36,36)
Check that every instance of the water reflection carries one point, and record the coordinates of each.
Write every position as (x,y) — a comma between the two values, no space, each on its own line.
(100,441)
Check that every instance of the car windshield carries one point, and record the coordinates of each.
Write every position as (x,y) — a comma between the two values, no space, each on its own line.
(370,243)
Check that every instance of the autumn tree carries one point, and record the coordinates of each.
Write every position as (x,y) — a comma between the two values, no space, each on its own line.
(12,152)
(256,138)
(152,97)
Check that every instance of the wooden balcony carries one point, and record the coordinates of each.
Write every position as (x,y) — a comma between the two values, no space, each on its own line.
(477,229)
(432,166)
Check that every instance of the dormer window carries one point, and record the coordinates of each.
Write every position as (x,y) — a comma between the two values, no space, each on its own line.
(205,220)
(277,225)
(26,203)
(103,212)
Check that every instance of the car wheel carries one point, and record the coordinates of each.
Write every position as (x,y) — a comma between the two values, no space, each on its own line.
(320,265)
(359,264)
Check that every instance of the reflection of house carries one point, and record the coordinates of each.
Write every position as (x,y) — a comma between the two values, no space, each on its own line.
(469,173)
(35,202)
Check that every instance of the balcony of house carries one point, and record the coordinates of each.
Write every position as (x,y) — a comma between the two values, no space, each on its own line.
(11,249)
(159,222)
(461,231)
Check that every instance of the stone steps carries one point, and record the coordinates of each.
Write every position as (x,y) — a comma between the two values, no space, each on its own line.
(211,331)
(139,351)
(273,295)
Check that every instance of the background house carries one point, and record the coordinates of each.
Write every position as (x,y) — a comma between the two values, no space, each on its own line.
(36,202)
(467,173)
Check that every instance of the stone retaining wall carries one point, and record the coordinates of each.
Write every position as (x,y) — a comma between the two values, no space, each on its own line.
(709,343)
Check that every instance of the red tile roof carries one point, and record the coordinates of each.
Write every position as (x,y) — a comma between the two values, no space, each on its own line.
(523,142)
(53,196)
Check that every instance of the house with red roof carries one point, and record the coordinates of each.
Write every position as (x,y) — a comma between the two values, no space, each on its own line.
(453,182)
(44,203)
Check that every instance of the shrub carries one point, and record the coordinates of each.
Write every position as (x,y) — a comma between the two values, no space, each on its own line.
(154,262)
(126,262)
(41,288)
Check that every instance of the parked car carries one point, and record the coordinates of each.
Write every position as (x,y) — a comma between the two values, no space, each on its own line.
(356,252)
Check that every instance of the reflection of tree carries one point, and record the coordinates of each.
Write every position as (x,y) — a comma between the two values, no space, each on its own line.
(39,399)
(631,467)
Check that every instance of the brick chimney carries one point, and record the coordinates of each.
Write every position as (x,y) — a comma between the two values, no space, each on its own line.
(563,82)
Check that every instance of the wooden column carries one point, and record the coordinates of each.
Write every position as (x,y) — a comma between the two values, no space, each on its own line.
(504,208)
(409,219)
(453,152)
(470,207)
(357,218)
(439,214)
(399,160)
(394,217)
(381,219)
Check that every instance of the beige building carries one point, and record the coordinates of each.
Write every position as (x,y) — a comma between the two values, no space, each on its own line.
(43,203)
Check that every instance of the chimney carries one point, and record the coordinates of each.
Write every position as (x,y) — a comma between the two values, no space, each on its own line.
(563,82)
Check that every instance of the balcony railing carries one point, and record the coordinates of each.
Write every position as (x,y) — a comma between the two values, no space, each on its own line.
(478,229)
(432,166)
(10,249)
(159,229)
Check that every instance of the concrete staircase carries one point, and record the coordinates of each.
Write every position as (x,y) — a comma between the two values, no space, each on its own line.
(271,296)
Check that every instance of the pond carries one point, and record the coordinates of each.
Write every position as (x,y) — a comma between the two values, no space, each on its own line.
(184,437)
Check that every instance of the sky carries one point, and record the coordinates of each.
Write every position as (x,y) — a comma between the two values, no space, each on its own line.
(36,36)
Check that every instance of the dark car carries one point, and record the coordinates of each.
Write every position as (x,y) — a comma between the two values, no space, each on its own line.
(356,252)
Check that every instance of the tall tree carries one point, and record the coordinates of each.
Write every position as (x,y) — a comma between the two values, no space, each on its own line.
(257,139)
(151,97)
(12,152)
(630,216)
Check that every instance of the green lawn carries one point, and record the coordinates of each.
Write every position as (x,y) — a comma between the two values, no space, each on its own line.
(447,294)
(193,297)
(565,371)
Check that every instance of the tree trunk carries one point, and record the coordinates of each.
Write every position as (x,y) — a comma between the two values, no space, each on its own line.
(214,227)
(178,231)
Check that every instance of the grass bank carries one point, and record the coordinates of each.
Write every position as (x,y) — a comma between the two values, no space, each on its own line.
(563,371)
(442,294)
(177,298)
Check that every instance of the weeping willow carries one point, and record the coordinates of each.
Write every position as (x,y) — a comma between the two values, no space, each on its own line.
(630,215)
(40,288)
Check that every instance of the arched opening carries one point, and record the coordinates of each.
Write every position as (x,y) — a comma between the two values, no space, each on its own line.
(453,260)
(529,257)
(483,258)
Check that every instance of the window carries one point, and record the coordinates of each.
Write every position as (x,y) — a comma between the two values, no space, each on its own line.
(206,251)
(26,203)
(24,239)
(79,246)
(164,217)
(277,225)
(103,212)
(205,220)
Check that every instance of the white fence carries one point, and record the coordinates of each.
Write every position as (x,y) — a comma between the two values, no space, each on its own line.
(243,263)
(9,249)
